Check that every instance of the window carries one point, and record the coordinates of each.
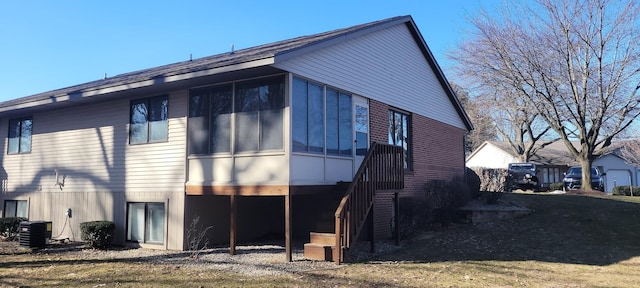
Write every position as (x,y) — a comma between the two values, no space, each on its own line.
(339,133)
(145,222)
(256,108)
(399,134)
(210,120)
(362,129)
(308,117)
(20,131)
(15,208)
(259,105)
(148,121)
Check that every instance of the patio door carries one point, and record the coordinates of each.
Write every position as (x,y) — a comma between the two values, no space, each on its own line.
(360,130)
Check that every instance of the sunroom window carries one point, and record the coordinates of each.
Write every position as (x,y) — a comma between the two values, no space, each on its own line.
(255,106)
(339,127)
(258,106)
(308,117)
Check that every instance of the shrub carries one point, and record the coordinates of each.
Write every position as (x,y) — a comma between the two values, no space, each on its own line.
(436,209)
(197,238)
(410,216)
(444,198)
(626,190)
(473,182)
(9,227)
(556,186)
(492,179)
(98,234)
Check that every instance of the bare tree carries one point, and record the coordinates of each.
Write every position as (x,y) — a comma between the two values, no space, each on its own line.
(631,152)
(483,127)
(501,106)
(576,61)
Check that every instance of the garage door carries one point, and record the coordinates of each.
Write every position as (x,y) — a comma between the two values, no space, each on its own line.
(617,178)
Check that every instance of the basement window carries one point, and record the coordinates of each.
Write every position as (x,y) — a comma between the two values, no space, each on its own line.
(145,222)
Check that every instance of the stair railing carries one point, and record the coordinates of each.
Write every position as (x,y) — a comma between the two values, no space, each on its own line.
(382,168)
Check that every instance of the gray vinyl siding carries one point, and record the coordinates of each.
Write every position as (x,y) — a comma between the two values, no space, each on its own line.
(100,171)
(387,66)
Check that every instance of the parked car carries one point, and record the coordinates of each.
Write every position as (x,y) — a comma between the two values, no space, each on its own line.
(522,176)
(573,178)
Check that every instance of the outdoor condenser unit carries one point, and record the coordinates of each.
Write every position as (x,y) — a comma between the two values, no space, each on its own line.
(34,234)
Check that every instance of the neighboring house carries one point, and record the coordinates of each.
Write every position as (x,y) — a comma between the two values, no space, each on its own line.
(554,160)
(251,141)
(618,171)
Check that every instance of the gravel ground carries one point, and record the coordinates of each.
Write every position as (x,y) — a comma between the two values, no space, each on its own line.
(256,259)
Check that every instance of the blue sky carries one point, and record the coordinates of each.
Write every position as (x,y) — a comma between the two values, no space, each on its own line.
(46,45)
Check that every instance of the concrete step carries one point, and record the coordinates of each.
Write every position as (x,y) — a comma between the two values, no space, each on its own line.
(318,252)
(322,238)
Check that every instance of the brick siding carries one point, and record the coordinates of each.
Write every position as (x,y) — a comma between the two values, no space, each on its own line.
(437,151)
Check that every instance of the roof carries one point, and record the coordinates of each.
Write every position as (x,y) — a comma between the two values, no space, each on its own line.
(262,55)
(555,154)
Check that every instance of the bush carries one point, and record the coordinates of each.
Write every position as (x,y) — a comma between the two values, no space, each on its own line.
(556,186)
(437,208)
(444,198)
(493,180)
(626,190)
(473,182)
(9,227)
(98,234)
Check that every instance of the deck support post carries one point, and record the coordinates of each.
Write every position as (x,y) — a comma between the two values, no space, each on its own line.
(372,240)
(287,226)
(396,217)
(233,224)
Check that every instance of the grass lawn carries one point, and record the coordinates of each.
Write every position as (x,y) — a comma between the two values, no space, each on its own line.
(568,241)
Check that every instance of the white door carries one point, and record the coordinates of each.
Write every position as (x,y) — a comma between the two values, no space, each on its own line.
(360,130)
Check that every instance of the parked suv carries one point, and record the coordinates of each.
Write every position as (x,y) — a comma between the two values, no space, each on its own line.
(522,176)
(573,178)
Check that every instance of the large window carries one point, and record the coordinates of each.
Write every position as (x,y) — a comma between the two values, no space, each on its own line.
(15,208)
(255,106)
(210,120)
(308,117)
(399,134)
(148,122)
(339,127)
(20,131)
(145,222)
(259,106)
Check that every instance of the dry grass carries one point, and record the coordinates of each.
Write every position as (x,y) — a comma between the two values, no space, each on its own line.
(569,241)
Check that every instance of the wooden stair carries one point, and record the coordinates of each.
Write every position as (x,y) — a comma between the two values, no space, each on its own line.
(322,241)
(382,168)
(320,246)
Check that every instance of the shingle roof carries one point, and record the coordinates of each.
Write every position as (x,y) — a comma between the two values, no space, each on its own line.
(555,153)
(277,50)
(205,63)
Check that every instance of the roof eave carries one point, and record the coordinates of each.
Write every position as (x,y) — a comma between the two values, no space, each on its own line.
(107,89)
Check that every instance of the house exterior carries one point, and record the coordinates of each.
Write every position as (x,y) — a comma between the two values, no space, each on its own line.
(553,161)
(617,171)
(251,142)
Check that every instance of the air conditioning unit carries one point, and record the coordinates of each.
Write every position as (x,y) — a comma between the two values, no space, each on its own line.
(34,234)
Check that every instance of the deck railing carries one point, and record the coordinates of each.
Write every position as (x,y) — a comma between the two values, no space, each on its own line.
(382,168)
